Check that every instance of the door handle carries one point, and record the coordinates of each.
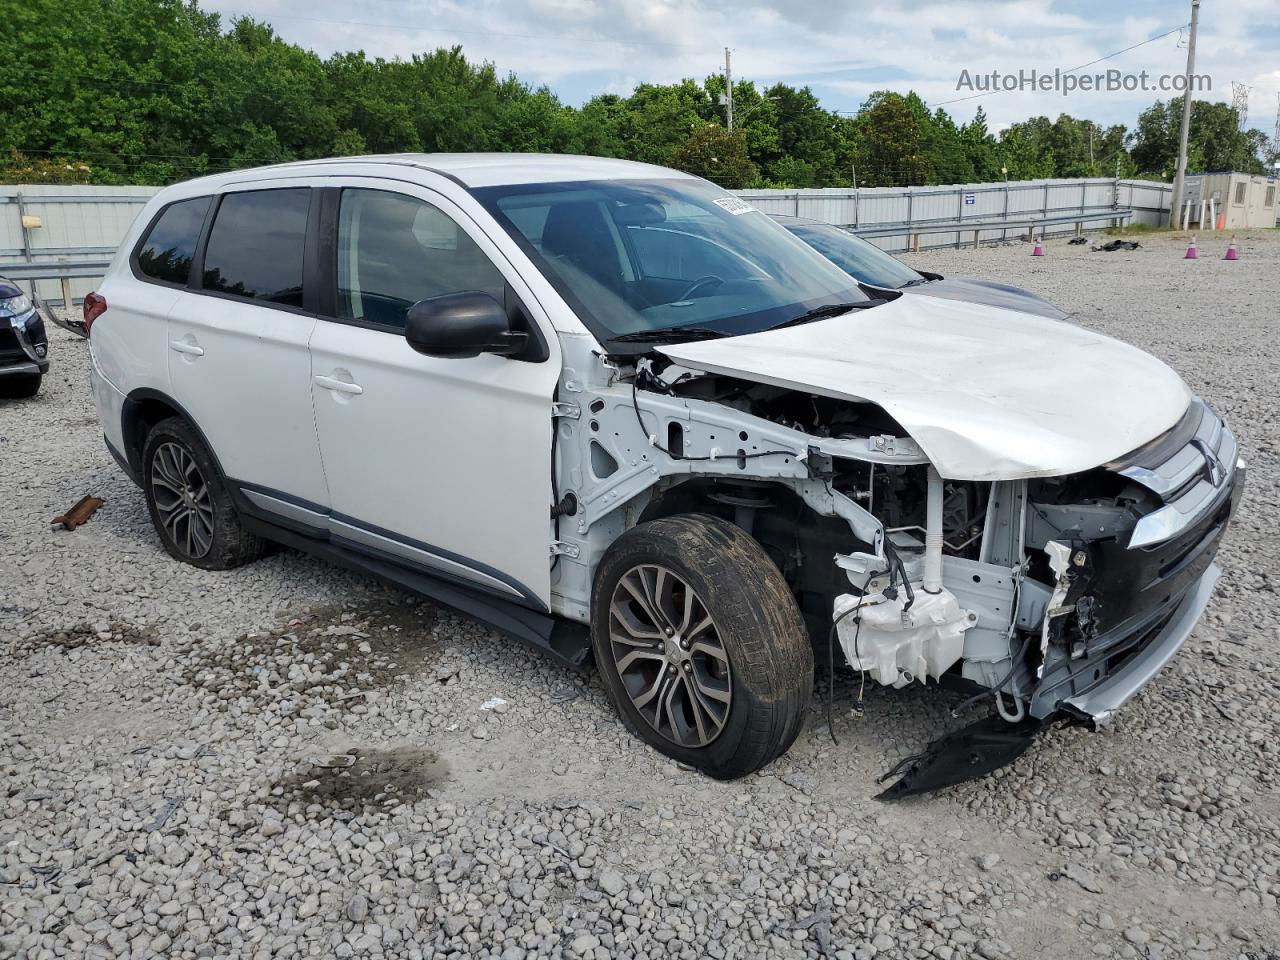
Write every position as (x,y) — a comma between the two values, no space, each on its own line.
(190,349)
(339,386)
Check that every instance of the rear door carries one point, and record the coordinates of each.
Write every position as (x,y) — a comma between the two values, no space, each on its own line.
(131,349)
(441,464)
(238,359)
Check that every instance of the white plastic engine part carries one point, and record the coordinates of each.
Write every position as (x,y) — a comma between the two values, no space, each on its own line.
(896,645)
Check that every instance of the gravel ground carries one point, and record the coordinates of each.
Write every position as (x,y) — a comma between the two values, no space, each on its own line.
(288,760)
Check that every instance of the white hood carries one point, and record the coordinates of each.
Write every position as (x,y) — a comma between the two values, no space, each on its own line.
(988,394)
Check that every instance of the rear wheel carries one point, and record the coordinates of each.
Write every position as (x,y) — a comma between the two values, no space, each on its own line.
(20,387)
(189,505)
(700,644)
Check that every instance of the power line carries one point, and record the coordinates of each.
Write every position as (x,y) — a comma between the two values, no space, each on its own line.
(1109,56)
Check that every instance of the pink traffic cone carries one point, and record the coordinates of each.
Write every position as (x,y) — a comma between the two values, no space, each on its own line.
(1191,250)
(1039,250)
(1231,250)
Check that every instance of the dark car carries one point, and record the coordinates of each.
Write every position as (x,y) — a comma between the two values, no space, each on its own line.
(872,267)
(24,345)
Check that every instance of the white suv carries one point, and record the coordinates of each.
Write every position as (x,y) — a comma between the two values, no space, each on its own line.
(621,415)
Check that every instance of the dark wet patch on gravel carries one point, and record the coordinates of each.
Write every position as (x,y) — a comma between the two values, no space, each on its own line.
(85,634)
(361,778)
(333,655)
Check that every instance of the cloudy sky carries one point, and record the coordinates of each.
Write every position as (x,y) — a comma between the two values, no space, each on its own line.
(843,50)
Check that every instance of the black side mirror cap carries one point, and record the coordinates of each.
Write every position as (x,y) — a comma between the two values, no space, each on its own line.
(459,325)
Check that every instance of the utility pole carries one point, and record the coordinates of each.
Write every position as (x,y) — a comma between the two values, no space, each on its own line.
(1180,172)
(728,90)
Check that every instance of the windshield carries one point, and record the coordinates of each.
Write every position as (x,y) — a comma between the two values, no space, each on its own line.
(860,259)
(631,256)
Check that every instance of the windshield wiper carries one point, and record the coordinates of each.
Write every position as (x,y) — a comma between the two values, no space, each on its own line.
(828,310)
(915,283)
(668,335)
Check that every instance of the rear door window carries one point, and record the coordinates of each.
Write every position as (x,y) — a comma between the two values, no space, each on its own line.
(170,245)
(256,246)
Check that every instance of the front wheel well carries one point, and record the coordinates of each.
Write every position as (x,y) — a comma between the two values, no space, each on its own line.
(800,542)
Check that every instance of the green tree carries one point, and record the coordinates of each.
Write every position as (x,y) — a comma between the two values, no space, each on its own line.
(982,149)
(1023,158)
(717,154)
(1214,142)
(891,152)
(949,160)
(173,92)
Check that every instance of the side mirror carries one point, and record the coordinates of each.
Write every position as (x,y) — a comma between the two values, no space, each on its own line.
(461,325)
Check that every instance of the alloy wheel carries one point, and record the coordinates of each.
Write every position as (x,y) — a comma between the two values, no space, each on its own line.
(182,500)
(669,655)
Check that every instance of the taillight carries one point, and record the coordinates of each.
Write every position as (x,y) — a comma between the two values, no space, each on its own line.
(95,305)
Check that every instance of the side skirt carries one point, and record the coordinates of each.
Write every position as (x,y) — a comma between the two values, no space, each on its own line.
(563,640)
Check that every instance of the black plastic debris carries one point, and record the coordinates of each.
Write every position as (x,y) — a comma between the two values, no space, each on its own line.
(965,754)
(1077,241)
(1115,245)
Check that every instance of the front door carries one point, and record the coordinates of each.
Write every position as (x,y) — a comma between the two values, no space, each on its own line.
(441,464)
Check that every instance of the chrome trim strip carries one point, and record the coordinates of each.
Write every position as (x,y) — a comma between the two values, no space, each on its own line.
(284,508)
(1175,473)
(1213,454)
(1167,522)
(416,555)
(1100,704)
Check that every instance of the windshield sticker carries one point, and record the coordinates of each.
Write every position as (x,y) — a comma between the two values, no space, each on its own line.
(734,205)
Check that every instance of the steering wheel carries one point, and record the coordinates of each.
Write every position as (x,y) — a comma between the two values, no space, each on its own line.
(709,282)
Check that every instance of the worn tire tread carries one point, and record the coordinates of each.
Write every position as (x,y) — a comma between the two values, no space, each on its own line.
(232,545)
(772,658)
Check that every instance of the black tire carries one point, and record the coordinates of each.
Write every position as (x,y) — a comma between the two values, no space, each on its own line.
(20,388)
(228,545)
(756,622)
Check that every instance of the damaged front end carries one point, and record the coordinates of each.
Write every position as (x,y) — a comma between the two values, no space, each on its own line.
(1051,597)
(1081,589)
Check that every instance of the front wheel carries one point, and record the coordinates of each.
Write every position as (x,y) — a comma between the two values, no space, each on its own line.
(700,644)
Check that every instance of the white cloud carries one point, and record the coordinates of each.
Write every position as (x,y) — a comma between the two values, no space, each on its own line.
(845,50)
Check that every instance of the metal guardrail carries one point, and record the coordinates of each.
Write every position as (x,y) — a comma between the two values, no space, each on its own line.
(64,270)
(979,226)
(54,269)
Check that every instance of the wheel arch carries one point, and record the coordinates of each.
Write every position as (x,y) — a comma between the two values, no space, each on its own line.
(143,408)
(800,541)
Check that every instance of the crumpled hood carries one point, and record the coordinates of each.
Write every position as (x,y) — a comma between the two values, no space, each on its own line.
(988,394)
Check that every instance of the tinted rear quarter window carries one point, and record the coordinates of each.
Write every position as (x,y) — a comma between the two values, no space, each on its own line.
(170,244)
(255,248)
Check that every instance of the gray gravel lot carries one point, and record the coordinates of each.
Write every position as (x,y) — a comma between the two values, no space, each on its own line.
(288,760)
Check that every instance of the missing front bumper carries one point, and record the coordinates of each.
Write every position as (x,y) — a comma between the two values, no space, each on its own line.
(1098,703)
(991,743)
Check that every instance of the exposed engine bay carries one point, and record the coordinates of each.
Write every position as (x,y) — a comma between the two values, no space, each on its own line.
(1051,597)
